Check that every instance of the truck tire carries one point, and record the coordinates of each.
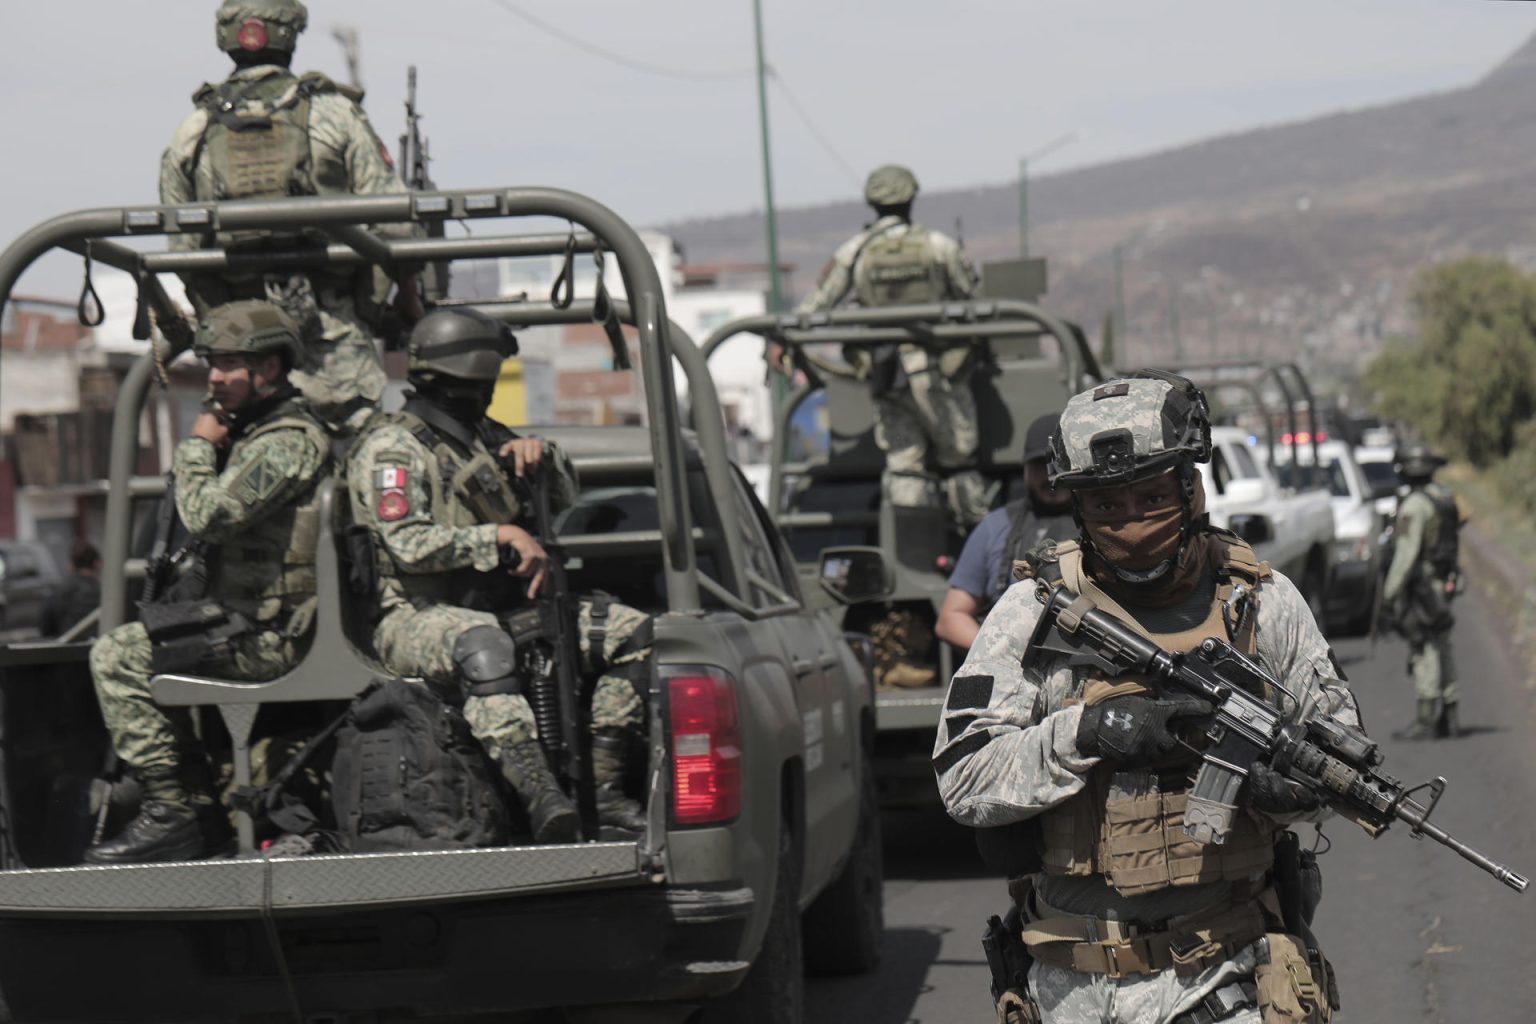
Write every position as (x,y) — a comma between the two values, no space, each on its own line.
(773,991)
(844,929)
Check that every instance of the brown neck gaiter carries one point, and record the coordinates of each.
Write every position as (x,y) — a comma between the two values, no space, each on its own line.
(1141,543)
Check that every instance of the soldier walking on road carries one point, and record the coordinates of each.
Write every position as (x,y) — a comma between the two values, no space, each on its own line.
(244,487)
(430,485)
(985,566)
(1421,582)
(1128,920)
(923,399)
(264,133)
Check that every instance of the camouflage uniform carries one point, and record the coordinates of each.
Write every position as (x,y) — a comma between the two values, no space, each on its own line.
(343,372)
(251,511)
(1418,521)
(937,409)
(439,557)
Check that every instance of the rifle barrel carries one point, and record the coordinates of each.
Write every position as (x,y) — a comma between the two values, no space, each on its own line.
(1414,813)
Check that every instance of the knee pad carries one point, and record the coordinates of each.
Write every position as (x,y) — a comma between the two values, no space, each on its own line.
(486,659)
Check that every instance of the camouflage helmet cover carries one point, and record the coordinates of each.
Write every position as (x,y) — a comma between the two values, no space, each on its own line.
(255,25)
(891,185)
(1416,461)
(1129,429)
(462,343)
(249,327)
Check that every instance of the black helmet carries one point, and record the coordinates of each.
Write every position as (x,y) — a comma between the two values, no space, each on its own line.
(1416,461)
(461,343)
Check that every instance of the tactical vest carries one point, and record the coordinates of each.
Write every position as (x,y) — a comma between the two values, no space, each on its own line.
(1129,825)
(1441,550)
(467,490)
(897,269)
(268,572)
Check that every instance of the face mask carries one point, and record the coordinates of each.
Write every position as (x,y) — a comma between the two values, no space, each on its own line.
(1138,543)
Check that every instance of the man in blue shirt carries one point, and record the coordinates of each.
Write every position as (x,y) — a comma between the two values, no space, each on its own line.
(984,569)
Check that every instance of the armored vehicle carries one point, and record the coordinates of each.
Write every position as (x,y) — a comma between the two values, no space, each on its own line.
(761,851)
(835,496)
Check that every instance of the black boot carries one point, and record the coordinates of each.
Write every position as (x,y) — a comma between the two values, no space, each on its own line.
(168,826)
(551,815)
(609,760)
(1423,727)
(1450,720)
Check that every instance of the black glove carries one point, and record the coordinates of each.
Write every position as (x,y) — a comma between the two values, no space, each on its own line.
(1273,793)
(1136,731)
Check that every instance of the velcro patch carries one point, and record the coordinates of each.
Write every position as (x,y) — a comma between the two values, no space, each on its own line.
(958,752)
(969,692)
(390,478)
(393,505)
(257,482)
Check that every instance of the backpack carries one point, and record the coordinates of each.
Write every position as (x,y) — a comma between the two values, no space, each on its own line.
(897,269)
(409,775)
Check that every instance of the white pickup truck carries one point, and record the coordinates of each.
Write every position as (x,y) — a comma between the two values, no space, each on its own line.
(1290,528)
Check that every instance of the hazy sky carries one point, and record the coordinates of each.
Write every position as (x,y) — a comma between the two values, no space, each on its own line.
(959,89)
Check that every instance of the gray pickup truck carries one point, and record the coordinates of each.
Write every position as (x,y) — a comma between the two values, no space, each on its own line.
(761,857)
(835,496)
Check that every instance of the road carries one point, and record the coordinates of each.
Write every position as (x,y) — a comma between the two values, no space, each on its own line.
(1415,932)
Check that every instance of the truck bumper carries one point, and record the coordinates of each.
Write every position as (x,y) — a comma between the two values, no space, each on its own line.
(501,951)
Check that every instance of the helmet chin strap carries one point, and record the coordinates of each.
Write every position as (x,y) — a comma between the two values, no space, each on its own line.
(1149,578)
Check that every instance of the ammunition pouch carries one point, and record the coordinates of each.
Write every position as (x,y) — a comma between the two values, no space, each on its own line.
(1290,990)
(184,634)
(482,486)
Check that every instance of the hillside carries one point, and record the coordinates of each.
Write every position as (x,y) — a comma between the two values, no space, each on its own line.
(1300,238)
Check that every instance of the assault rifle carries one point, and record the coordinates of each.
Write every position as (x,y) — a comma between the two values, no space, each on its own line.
(1334,761)
(414,169)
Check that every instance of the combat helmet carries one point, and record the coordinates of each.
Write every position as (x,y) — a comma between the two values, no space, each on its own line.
(1416,461)
(254,25)
(890,185)
(1130,429)
(461,343)
(249,327)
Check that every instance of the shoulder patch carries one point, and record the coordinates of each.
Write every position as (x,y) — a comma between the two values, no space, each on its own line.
(258,481)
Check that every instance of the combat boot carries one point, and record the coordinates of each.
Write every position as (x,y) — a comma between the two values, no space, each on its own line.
(168,826)
(1423,727)
(609,762)
(551,815)
(1450,720)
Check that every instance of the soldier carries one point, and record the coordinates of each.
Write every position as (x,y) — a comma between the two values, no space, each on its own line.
(922,398)
(1128,920)
(985,566)
(265,132)
(428,482)
(1420,584)
(245,487)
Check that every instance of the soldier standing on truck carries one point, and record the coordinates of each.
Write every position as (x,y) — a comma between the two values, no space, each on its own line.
(923,398)
(430,485)
(265,132)
(985,566)
(245,489)
(1423,578)
(1121,917)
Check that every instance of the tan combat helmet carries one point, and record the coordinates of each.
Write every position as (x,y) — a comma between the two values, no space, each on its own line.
(891,185)
(1129,429)
(249,327)
(255,25)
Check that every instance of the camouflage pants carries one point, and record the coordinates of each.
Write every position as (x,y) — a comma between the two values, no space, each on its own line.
(420,642)
(1433,668)
(146,735)
(1074,997)
(343,376)
(936,413)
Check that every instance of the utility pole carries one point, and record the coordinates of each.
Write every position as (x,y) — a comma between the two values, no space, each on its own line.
(775,300)
(346,35)
(1122,335)
(1038,154)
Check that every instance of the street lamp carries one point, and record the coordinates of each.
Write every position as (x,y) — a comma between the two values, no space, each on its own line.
(1038,154)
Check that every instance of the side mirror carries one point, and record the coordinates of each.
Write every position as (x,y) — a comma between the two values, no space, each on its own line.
(1244,490)
(853,575)
(1254,529)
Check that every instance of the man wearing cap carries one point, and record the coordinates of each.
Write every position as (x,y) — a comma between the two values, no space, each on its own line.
(1128,918)
(985,567)
(923,398)
(265,132)
(245,488)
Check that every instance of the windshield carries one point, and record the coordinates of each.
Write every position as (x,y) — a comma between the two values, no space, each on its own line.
(1379,474)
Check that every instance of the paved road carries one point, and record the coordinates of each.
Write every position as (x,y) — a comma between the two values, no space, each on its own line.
(1415,932)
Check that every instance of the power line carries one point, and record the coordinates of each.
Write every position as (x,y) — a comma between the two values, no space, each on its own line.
(805,117)
(615,57)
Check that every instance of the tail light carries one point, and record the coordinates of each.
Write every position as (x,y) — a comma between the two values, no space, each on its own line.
(706,746)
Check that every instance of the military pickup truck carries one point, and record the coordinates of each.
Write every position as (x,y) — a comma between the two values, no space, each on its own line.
(835,496)
(761,856)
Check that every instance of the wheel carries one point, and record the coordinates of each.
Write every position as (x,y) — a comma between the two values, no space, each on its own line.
(773,991)
(844,930)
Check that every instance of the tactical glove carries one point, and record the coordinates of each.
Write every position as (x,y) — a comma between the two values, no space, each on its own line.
(1273,793)
(1136,731)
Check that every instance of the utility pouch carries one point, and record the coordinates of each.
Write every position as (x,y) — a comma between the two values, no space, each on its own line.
(362,567)
(1430,605)
(483,485)
(1289,991)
